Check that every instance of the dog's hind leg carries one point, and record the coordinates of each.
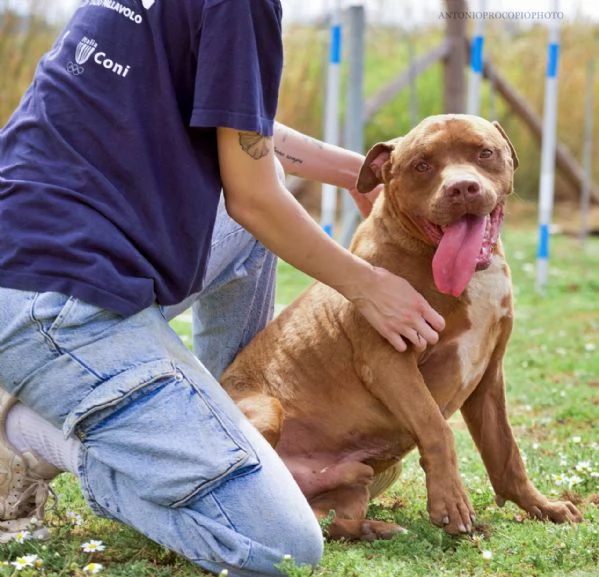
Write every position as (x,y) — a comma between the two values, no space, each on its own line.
(263,411)
(346,507)
(347,501)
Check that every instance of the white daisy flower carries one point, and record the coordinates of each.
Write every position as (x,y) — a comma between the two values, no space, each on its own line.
(22,536)
(21,563)
(92,546)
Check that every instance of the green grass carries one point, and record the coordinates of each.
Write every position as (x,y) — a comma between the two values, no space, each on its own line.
(552,369)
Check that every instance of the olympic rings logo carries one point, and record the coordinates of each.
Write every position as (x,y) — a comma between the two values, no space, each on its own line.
(75,69)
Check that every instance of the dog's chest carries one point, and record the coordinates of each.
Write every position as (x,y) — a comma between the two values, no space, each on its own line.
(456,365)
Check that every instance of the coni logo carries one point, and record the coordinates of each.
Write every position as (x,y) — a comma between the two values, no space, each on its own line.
(86,48)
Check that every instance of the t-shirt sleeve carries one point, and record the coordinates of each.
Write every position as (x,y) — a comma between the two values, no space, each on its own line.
(240,60)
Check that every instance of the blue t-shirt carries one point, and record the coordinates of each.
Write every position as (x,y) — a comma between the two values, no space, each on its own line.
(109,175)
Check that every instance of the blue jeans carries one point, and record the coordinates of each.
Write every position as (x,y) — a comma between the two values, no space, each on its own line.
(165,450)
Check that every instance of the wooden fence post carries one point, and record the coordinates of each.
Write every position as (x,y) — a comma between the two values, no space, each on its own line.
(456,62)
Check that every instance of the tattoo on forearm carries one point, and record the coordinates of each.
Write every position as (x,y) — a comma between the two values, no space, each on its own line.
(289,157)
(294,159)
(255,145)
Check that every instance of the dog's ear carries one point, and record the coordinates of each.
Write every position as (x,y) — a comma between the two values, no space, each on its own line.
(371,173)
(512,149)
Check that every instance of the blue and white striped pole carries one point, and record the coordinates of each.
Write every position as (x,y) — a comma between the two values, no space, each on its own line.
(476,64)
(547,180)
(331,125)
(587,147)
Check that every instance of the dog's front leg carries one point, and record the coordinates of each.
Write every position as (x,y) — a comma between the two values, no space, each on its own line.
(485,413)
(394,379)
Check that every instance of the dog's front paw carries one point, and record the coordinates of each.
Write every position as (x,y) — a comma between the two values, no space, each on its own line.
(538,507)
(556,511)
(450,508)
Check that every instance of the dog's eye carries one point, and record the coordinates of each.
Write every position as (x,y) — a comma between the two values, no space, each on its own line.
(422,166)
(485,153)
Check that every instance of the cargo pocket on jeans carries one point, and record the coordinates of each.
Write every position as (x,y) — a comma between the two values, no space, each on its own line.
(154,426)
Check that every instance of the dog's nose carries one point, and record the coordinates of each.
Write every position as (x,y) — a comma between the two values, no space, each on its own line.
(463,188)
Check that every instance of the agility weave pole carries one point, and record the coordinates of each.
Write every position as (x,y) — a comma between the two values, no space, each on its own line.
(548,151)
(331,127)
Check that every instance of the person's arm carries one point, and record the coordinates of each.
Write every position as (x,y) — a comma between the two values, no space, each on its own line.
(261,204)
(313,159)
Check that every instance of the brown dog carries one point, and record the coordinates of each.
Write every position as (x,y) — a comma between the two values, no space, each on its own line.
(341,405)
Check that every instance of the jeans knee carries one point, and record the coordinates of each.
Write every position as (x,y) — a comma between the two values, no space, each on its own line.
(304,544)
(300,545)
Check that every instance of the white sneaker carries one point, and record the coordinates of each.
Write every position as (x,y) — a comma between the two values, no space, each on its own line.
(23,485)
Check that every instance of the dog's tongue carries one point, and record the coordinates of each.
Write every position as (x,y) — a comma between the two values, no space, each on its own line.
(455,259)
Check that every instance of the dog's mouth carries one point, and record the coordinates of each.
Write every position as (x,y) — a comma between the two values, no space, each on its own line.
(463,247)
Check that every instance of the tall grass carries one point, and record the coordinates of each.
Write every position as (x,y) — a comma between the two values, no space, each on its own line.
(520,56)
(23,40)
